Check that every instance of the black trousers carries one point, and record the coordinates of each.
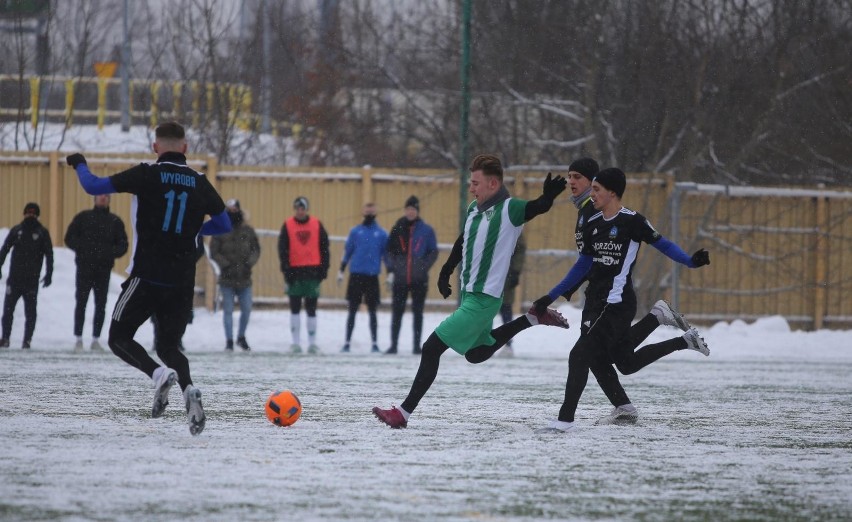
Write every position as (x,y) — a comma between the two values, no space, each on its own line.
(30,295)
(398,301)
(91,279)
(138,301)
(609,339)
(362,288)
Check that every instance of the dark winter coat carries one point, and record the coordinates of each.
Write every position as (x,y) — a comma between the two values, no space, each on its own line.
(98,238)
(236,253)
(30,244)
(412,250)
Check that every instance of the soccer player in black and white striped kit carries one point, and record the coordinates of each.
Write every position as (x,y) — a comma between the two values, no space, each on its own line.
(167,214)
(610,243)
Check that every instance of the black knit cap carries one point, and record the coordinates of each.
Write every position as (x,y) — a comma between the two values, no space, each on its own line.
(612,179)
(585,166)
(34,207)
(301,201)
(412,201)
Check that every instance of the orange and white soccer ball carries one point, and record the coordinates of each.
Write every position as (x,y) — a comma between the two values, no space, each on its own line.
(283,408)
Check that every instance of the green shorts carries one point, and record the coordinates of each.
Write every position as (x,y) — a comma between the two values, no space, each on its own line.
(304,288)
(470,325)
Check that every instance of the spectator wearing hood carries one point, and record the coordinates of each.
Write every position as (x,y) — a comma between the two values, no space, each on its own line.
(236,253)
(98,238)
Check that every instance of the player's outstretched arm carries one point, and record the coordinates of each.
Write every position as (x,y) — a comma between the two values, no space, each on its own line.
(91,184)
(218,224)
(675,253)
(552,188)
(572,278)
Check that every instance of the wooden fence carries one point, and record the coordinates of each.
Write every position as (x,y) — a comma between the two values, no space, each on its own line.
(773,251)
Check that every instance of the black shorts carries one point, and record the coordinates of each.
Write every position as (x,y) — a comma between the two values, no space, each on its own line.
(363,286)
(609,326)
(140,299)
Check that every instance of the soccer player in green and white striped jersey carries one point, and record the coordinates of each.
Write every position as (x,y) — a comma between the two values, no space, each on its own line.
(494,222)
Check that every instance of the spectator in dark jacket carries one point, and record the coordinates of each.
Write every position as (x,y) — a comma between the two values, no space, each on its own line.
(98,238)
(30,244)
(236,253)
(412,250)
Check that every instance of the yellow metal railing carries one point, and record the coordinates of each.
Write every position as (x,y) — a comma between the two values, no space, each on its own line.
(164,99)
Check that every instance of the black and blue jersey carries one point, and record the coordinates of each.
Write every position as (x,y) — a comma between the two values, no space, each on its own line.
(167,212)
(613,245)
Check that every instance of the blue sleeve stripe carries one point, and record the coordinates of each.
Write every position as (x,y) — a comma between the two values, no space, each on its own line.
(574,276)
(92,184)
(673,252)
(218,224)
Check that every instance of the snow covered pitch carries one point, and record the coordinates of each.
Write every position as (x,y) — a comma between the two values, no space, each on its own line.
(760,430)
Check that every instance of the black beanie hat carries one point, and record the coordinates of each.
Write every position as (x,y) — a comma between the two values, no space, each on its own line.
(301,201)
(233,203)
(413,202)
(612,179)
(585,166)
(32,206)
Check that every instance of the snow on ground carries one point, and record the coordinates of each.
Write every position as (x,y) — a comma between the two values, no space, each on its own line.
(245,148)
(760,430)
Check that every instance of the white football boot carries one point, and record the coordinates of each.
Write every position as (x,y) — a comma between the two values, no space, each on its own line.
(164,379)
(194,410)
(625,414)
(696,342)
(668,316)
(557,426)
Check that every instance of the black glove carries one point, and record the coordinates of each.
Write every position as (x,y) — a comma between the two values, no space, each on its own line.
(513,279)
(554,186)
(46,280)
(701,258)
(76,159)
(444,283)
(1,274)
(540,305)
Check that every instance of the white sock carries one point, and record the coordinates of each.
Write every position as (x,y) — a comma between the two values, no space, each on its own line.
(312,330)
(295,327)
(157,373)
(80,338)
(403,412)
(532,319)
(629,408)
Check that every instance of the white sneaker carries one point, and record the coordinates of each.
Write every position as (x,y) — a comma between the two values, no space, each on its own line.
(506,352)
(557,426)
(626,414)
(696,342)
(194,410)
(667,315)
(96,347)
(78,346)
(295,348)
(314,349)
(164,379)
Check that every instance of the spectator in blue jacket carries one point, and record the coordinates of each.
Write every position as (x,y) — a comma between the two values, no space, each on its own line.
(365,248)
(411,252)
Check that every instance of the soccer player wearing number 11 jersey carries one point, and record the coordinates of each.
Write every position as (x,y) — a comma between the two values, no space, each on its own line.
(169,203)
